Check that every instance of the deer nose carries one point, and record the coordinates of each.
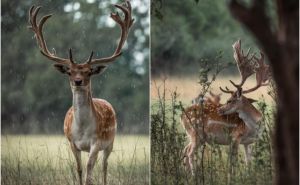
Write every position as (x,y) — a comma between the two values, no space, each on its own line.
(78,82)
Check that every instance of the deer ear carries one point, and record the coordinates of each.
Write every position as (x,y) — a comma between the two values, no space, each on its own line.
(62,68)
(251,100)
(98,69)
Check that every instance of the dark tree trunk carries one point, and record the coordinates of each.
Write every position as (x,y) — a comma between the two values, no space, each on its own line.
(282,48)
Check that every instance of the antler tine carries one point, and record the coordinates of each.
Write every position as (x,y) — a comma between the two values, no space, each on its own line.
(70,55)
(37,28)
(248,52)
(262,74)
(34,14)
(244,64)
(226,91)
(125,27)
(91,56)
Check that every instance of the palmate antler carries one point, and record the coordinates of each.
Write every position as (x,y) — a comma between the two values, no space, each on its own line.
(262,73)
(125,25)
(248,65)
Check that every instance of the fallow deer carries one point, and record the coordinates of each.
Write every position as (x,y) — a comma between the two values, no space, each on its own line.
(233,123)
(90,124)
(212,99)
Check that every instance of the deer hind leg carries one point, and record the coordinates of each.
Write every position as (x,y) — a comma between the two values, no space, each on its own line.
(248,154)
(90,164)
(106,154)
(77,155)
(219,153)
(185,157)
(191,153)
(234,147)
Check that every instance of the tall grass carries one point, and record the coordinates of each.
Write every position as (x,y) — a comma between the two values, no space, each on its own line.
(168,140)
(46,160)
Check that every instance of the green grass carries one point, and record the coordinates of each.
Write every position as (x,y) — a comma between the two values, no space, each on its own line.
(47,159)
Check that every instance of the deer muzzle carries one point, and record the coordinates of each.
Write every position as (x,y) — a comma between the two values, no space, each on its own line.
(78,82)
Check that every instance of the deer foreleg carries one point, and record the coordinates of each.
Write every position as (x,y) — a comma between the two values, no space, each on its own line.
(77,155)
(106,154)
(90,164)
(248,155)
(191,152)
(233,156)
(185,157)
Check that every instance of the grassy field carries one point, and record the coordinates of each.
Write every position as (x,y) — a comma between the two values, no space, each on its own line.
(188,88)
(47,159)
(168,139)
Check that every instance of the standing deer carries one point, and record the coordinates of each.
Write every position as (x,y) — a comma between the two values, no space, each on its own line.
(233,123)
(90,124)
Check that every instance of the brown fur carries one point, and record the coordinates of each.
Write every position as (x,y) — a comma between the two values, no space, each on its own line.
(192,114)
(106,118)
(190,119)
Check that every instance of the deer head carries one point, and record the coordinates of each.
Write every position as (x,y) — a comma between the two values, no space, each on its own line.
(214,98)
(236,102)
(79,74)
(247,66)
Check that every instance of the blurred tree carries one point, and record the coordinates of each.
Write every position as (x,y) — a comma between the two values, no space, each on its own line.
(281,45)
(187,32)
(35,97)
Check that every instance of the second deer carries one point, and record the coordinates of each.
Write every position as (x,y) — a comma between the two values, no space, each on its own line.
(232,123)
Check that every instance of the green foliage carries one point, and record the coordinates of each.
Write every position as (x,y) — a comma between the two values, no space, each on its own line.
(35,96)
(156,6)
(190,31)
(210,67)
(168,140)
(212,163)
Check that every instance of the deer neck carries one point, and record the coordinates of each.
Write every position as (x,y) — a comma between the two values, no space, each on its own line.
(250,115)
(82,105)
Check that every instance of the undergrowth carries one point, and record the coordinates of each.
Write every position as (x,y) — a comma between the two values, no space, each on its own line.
(211,167)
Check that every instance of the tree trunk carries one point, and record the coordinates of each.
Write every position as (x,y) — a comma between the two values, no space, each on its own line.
(282,48)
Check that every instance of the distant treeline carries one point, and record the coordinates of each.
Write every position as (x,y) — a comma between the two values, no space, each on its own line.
(183,33)
(35,97)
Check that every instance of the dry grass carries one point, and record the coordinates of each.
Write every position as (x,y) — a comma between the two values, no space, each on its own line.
(47,159)
(188,88)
